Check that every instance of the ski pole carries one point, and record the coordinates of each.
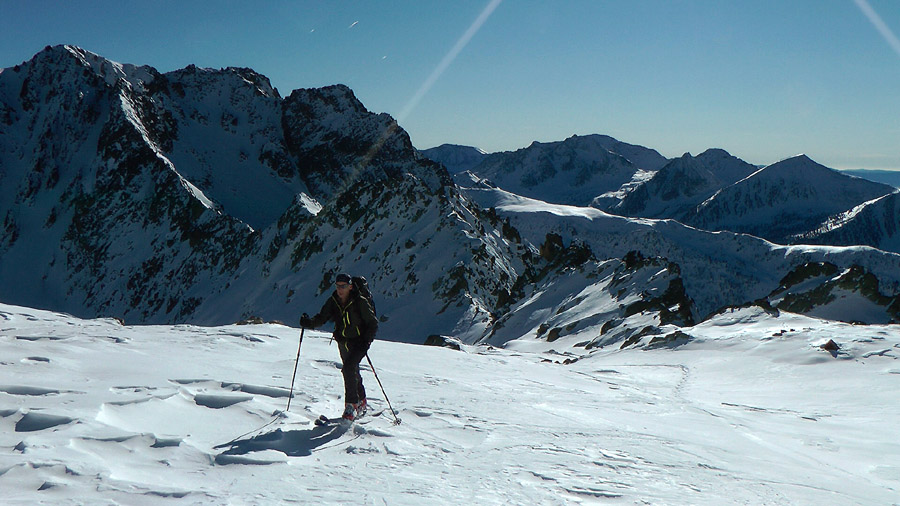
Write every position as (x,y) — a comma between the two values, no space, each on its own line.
(294,376)
(396,420)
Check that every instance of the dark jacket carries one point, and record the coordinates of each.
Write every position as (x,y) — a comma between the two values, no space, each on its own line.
(354,321)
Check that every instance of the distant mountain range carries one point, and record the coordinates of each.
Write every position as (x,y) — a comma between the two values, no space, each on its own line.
(889,177)
(576,171)
(784,202)
(204,196)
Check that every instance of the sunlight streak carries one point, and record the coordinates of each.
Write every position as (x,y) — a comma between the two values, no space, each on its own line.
(423,90)
(448,59)
(879,24)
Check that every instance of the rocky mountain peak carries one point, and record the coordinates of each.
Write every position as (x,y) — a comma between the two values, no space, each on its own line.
(145,184)
(113,73)
(797,167)
(683,183)
(336,141)
(235,77)
(337,99)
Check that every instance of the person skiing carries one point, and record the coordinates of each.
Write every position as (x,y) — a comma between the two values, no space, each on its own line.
(355,326)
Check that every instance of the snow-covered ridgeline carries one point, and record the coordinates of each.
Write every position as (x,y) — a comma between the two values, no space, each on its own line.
(148,208)
(716,266)
(234,146)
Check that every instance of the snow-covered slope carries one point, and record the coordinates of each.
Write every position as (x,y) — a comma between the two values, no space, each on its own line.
(717,268)
(455,157)
(594,304)
(434,261)
(783,199)
(747,408)
(574,171)
(875,223)
(825,290)
(682,184)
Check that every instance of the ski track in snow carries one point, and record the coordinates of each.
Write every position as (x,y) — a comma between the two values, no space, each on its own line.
(95,412)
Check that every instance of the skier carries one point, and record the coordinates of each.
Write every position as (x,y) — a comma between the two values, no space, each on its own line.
(355,326)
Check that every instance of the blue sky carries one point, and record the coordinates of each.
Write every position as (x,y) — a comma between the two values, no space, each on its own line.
(763,79)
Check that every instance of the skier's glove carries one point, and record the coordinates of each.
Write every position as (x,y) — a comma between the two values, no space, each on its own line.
(306,322)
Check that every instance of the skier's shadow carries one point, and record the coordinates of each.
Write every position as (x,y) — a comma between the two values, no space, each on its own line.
(293,443)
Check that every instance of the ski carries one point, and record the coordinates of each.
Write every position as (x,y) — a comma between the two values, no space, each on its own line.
(323,420)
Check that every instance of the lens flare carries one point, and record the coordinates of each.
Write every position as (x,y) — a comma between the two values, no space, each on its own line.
(879,25)
(427,85)
(448,58)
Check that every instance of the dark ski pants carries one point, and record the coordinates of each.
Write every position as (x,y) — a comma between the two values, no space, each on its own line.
(352,353)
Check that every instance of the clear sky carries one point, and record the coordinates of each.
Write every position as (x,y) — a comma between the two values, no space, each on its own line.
(762,79)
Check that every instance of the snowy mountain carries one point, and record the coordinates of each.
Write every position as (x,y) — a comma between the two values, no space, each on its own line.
(96,218)
(221,129)
(875,223)
(455,157)
(783,199)
(203,196)
(575,171)
(746,408)
(683,184)
(715,191)
(713,269)
(644,158)
(598,357)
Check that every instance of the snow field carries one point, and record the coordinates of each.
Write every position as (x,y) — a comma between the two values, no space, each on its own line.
(750,411)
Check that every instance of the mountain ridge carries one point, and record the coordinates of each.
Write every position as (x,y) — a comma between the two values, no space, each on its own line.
(783,199)
(140,240)
(683,183)
(203,196)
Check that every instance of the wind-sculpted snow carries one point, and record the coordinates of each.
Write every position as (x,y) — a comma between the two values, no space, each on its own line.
(32,421)
(726,416)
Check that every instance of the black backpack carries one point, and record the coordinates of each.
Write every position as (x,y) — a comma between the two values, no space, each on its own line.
(361,287)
